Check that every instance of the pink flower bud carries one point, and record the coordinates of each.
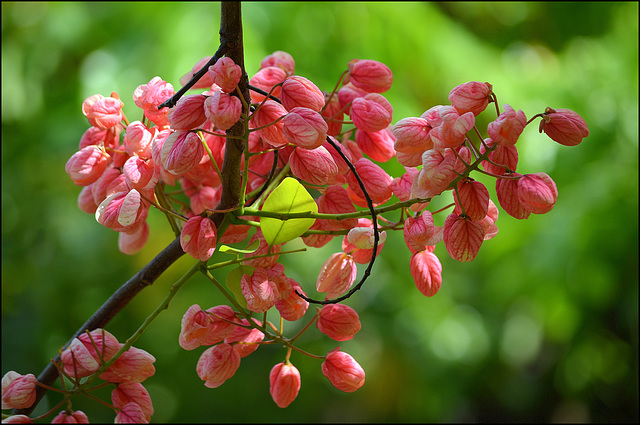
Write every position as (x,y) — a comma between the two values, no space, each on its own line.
(369,75)
(304,128)
(293,307)
(335,200)
(151,95)
(473,96)
(372,112)
(507,191)
(133,240)
(537,192)
(70,417)
(315,166)
(260,292)
(378,145)
(426,271)
(122,211)
(195,328)
(235,233)
(412,140)
(363,255)
(298,91)
(280,59)
(505,155)
(220,328)
(86,202)
(473,197)
(18,391)
(198,238)
(222,110)
(205,198)
(188,113)
(207,79)
(133,365)
(284,384)
(265,79)
(336,275)
(343,371)
(107,137)
(132,392)
(265,117)
(80,358)
(453,127)
(263,248)
(103,112)
(376,181)
(87,165)
(226,74)
(338,321)
(506,129)
(217,364)
(131,413)
(564,126)
(363,237)
(462,237)
(401,186)
(181,152)
(420,232)
(138,139)
(318,240)
(140,174)
(283,283)
(111,181)
(245,341)
(333,114)
(489,222)
(438,171)
(346,95)
(17,419)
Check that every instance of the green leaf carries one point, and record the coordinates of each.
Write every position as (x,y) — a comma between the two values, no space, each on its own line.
(233,281)
(289,197)
(248,250)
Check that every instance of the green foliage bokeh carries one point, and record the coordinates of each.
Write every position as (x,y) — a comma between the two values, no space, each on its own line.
(542,326)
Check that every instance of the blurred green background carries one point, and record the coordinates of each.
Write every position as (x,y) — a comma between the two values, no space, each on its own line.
(542,326)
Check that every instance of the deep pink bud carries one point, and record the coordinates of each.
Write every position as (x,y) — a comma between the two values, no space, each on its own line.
(293,307)
(376,181)
(335,200)
(140,174)
(122,211)
(131,413)
(108,137)
(80,358)
(86,202)
(298,91)
(506,129)
(426,271)
(181,152)
(133,240)
(473,197)
(378,145)
(226,74)
(462,237)
(87,165)
(203,83)
(265,79)
(369,75)
(18,391)
(132,392)
(336,275)
(338,321)
(70,417)
(217,364)
(315,166)
(280,59)
(260,292)
(343,371)
(103,112)
(304,128)
(245,340)
(284,383)
(188,113)
(453,127)
(401,186)
(138,139)
(222,110)
(537,192)
(199,237)
(333,114)
(505,155)
(268,113)
(346,95)
(507,191)
(372,112)
(420,232)
(473,96)
(195,328)
(412,140)
(263,248)
(219,327)
(134,365)
(564,126)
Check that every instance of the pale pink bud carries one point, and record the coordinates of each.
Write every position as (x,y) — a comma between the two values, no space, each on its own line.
(564,126)
(349,150)
(222,110)
(188,113)
(138,139)
(378,145)
(363,237)
(335,200)
(111,181)
(283,283)
(420,232)
(226,74)
(338,321)
(506,129)
(438,171)
(363,255)
(304,128)
(315,166)
(280,59)
(462,237)
(80,358)
(473,96)
(122,211)
(412,140)
(376,181)
(134,365)
(17,419)
(103,112)
(333,114)
(489,222)
(151,95)
(108,137)
(372,112)
(18,391)
(140,174)
(265,79)
(537,192)
(207,79)
(451,131)
(284,383)
(346,95)
(336,275)
(245,340)
(369,75)
(198,238)
(181,152)
(426,271)
(401,186)
(298,91)
(205,198)
(260,292)
(132,241)
(507,191)
(264,119)
(293,307)
(70,417)
(132,392)
(86,202)
(195,328)
(505,155)
(131,413)
(87,165)
(473,196)
(220,328)
(343,371)
(263,248)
